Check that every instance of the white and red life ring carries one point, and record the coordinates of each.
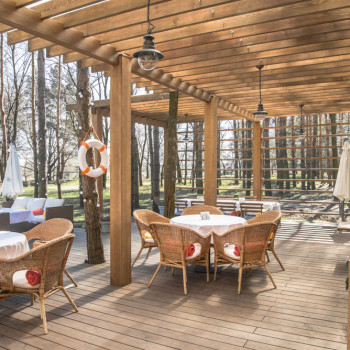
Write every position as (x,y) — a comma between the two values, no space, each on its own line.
(85,169)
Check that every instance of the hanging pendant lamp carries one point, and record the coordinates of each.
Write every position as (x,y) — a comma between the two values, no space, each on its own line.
(260,114)
(148,56)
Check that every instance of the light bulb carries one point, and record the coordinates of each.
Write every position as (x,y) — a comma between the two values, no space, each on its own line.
(148,60)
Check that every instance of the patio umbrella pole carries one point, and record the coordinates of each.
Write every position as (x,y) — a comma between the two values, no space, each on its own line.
(341,210)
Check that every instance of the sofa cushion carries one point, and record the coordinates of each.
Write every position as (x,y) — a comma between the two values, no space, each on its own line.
(53,202)
(20,203)
(35,203)
(39,219)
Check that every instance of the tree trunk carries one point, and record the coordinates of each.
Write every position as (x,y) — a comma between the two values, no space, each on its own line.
(58,168)
(335,163)
(2,112)
(156,170)
(266,158)
(134,171)
(34,137)
(170,166)
(42,126)
(92,213)
(198,146)
(178,166)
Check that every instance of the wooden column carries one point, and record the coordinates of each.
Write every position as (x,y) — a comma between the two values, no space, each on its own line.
(120,173)
(257,161)
(97,123)
(210,152)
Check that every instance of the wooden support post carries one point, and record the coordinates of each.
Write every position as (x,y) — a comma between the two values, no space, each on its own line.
(97,123)
(210,152)
(120,160)
(257,161)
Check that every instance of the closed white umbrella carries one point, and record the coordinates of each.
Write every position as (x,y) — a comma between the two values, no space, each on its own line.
(12,184)
(342,184)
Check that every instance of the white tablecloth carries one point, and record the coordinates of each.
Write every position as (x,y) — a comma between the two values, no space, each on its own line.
(218,223)
(12,244)
(18,215)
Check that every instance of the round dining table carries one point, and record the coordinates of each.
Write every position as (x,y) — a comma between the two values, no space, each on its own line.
(218,223)
(12,244)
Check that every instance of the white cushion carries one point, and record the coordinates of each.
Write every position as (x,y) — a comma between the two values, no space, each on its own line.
(197,251)
(38,219)
(53,202)
(20,203)
(345,225)
(35,203)
(229,250)
(19,280)
(149,240)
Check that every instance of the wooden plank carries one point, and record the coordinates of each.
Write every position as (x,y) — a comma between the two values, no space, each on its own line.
(257,160)
(120,173)
(210,153)
(48,29)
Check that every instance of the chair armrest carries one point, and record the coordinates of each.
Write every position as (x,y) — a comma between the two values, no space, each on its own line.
(63,212)
(7,204)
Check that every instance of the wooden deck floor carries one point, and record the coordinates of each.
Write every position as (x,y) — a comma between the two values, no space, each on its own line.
(308,310)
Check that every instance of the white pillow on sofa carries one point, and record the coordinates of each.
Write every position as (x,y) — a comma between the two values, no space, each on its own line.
(20,203)
(35,203)
(53,202)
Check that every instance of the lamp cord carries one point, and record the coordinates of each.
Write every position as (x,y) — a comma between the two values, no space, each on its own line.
(260,85)
(150,24)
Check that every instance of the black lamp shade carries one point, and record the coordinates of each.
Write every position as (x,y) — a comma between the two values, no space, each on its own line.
(148,57)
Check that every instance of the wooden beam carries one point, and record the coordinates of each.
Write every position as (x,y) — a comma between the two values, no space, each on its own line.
(120,159)
(177,84)
(210,151)
(70,18)
(48,29)
(257,161)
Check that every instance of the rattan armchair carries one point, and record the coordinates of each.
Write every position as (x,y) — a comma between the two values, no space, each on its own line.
(49,230)
(197,209)
(49,259)
(274,216)
(251,240)
(172,241)
(143,219)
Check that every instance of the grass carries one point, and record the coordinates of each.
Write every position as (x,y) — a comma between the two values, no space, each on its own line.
(70,191)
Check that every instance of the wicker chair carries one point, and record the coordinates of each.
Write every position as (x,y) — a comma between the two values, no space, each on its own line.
(143,219)
(172,241)
(274,216)
(49,230)
(197,209)
(49,259)
(251,240)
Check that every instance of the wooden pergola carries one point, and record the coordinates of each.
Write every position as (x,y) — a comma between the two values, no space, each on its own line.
(211,48)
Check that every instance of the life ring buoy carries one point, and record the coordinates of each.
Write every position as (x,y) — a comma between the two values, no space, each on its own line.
(85,169)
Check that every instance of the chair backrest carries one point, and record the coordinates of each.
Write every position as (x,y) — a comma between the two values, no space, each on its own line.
(251,239)
(180,204)
(226,206)
(271,215)
(63,212)
(143,219)
(172,241)
(56,256)
(50,229)
(197,209)
(250,208)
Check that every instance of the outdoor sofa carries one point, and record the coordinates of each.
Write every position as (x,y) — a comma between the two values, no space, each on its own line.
(52,208)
